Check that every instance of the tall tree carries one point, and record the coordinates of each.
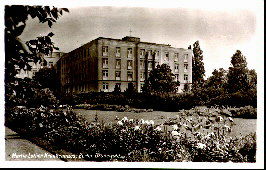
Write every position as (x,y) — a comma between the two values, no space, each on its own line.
(161,80)
(17,52)
(198,71)
(238,73)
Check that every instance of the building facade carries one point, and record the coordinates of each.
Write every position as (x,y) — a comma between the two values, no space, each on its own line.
(103,63)
(47,61)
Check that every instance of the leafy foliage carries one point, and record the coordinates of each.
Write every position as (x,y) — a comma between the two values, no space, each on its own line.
(47,78)
(198,71)
(30,93)
(160,80)
(131,89)
(218,79)
(117,89)
(252,79)
(17,52)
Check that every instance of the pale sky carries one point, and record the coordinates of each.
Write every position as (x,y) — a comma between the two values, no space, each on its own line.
(220,32)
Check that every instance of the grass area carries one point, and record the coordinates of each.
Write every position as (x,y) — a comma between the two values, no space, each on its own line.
(241,127)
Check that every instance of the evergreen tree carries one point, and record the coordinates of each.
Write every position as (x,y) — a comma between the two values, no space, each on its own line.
(238,73)
(198,71)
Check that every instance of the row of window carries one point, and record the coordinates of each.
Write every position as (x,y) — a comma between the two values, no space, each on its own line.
(117,75)
(130,76)
(105,86)
(142,54)
(142,65)
(76,55)
(117,64)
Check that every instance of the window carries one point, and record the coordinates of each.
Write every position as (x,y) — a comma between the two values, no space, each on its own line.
(118,64)
(118,75)
(118,52)
(176,67)
(129,52)
(157,55)
(185,67)
(166,56)
(176,77)
(186,77)
(176,57)
(88,52)
(51,64)
(118,85)
(150,55)
(149,65)
(142,64)
(142,76)
(142,53)
(129,64)
(185,57)
(129,76)
(84,53)
(105,87)
(105,62)
(105,51)
(105,74)
(141,87)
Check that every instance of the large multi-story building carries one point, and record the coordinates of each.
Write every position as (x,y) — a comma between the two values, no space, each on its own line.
(105,62)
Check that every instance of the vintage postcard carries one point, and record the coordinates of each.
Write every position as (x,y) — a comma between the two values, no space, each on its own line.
(162,84)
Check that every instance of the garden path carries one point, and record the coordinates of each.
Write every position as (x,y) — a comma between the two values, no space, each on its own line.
(19,149)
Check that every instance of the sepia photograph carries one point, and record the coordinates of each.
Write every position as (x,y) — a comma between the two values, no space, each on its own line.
(114,83)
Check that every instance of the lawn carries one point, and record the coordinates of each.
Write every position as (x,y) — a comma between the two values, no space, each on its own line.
(241,127)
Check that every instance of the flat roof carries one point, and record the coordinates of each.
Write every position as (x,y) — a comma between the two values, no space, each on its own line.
(132,41)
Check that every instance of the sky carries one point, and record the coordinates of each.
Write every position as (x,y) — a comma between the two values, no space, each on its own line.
(220,31)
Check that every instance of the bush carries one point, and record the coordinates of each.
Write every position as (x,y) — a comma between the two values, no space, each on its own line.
(247,112)
(166,102)
(42,97)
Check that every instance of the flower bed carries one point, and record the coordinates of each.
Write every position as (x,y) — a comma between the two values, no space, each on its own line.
(107,107)
(134,140)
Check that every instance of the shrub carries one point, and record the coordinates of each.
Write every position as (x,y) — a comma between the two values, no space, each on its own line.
(247,112)
(42,97)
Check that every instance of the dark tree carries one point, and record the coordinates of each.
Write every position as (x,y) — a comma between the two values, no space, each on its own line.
(161,80)
(252,79)
(131,89)
(217,80)
(238,73)
(117,89)
(46,77)
(17,52)
(186,87)
(198,71)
